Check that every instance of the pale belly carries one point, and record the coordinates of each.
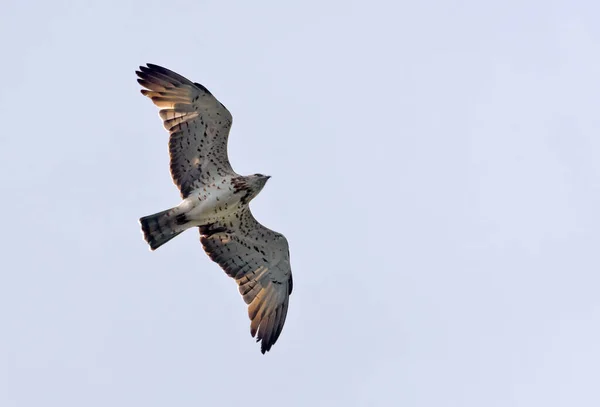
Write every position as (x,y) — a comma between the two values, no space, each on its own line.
(210,204)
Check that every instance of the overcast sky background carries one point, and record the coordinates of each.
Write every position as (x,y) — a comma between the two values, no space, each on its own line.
(435,169)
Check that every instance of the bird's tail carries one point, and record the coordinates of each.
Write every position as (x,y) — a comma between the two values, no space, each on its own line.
(162,226)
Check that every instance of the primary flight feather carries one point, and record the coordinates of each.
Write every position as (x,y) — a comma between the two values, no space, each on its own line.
(216,199)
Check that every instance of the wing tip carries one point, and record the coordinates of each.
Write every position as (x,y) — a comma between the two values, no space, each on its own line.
(153,66)
(266,345)
(150,67)
(147,71)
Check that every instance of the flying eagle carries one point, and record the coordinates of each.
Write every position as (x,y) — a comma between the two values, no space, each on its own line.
(216,200)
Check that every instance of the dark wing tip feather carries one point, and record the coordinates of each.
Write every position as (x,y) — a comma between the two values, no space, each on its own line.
(270,328)
(153,68)
(158,75)
(269,332)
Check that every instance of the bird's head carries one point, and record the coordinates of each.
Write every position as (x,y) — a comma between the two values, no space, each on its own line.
(258,181)
(251,184)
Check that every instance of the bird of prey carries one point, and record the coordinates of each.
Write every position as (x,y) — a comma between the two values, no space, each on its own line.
(215,200)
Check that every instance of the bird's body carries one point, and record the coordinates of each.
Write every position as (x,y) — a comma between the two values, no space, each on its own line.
(213,203)
(216,200)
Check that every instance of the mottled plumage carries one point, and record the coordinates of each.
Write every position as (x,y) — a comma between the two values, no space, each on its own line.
(215,199)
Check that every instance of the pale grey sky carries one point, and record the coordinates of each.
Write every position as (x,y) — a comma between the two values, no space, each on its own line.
(435,168)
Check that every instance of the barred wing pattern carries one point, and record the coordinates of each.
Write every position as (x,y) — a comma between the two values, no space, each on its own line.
(198,123)
(259,260)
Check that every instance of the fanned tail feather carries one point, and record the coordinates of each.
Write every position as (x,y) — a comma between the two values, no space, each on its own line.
(162,226)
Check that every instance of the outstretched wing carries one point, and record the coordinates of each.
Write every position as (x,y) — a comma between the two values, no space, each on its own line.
(198,123)
(259,260)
